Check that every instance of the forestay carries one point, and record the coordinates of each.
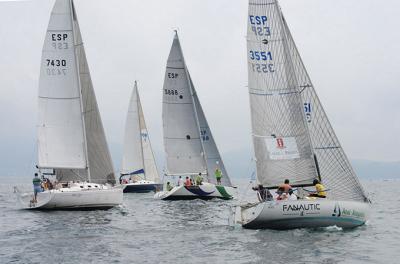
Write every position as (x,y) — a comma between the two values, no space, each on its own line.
(65,78)
(182,143)
(281,141)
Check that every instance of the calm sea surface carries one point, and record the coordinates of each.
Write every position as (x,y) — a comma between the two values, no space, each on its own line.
(145,230)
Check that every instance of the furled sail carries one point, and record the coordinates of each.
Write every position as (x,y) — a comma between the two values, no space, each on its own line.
(183,147)
(280,136)
(71,74)
(212,155)
(138,155)
(333,165)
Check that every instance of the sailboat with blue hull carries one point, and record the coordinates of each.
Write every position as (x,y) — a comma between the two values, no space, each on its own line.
(293,138)
(139,171)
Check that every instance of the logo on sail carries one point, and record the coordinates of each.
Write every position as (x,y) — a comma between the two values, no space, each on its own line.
(282,148)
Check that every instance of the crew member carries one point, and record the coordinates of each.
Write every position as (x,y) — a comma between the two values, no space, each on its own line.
(320,190)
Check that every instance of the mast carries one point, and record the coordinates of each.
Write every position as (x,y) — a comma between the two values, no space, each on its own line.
(80,89)
(140,130)
(191,89)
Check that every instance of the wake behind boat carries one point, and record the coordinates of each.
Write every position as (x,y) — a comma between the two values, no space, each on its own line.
(139,171)
(292,136)
(189,145)
(71,139)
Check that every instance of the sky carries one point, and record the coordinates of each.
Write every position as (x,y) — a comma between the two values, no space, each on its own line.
(349,47)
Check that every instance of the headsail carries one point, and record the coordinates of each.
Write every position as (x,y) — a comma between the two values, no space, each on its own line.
(182,143)
(280,136)
(150,167)
(334,166)
(213,157)
(64,37)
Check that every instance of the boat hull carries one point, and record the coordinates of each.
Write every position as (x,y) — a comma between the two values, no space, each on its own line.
(69,200)
(205,192)
(316,213)
(142,187)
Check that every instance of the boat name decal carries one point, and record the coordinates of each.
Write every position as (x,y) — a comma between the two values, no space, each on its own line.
(351,212)
(300,207)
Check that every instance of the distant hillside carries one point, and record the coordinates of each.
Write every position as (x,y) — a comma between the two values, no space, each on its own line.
(367,169)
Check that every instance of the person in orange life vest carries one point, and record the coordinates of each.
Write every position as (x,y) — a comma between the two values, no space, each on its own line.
(187,181)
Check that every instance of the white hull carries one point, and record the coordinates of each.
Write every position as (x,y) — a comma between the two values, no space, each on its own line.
(205,191)
(303,214)
(73,198)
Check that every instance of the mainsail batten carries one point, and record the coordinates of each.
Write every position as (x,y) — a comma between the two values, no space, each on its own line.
(323,156)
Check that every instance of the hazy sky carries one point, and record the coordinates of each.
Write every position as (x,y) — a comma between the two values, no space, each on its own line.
(350,48)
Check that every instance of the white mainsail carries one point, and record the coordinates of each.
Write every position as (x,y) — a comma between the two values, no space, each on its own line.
(71,137)
(284,104)
(189,144)
(182,142)
(138,155)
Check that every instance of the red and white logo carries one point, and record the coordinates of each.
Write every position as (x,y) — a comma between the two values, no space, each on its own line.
(279,143)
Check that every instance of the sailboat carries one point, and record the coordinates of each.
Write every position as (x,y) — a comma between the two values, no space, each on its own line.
(72,146)
(190,148)
(139,171)
(292,136)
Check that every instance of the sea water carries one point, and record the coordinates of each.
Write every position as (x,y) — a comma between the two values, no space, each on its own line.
(146,230)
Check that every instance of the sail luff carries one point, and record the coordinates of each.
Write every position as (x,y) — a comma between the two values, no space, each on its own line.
(139,107)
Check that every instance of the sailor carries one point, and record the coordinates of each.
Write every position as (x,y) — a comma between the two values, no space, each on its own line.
(199,179)
(218,175)
(320,190)
(169,187)
(180,181)
(187,181)
(37,186)
(263,193)
(285,187)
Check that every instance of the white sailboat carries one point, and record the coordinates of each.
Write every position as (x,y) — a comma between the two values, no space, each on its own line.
(71,139)
(139,171)
(292,136)
(189,145)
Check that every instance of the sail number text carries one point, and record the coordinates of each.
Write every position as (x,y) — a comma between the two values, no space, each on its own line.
(260,55)
(262,67)
(59,41)
(259,25)
(170,92)
(56,67)
(172,75)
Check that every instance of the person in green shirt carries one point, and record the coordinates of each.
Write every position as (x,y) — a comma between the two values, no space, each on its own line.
(199,179)
(169,187)
(37,186)
(218,175)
